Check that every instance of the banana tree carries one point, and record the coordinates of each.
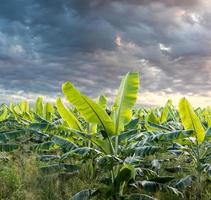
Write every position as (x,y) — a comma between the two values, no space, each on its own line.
(94,113)
(122,108)
(199,146)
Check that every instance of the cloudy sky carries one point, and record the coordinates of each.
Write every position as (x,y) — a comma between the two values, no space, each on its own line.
(94,42)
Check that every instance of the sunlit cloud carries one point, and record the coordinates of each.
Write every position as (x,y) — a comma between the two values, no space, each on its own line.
(164,48)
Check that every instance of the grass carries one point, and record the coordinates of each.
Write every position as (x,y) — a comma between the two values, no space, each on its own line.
(21,179)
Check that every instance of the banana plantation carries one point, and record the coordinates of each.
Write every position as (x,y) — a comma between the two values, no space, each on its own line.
(79,148)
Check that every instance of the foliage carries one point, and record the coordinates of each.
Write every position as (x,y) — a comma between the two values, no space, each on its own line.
(92,151)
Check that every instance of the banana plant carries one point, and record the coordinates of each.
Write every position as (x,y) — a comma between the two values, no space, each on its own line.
(156,118)
(199,149)
(122,108)
(95,114)
(4,114)
(39,107)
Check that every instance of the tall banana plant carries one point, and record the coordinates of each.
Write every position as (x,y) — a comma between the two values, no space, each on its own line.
(94,113)
(125,100)
(198,150)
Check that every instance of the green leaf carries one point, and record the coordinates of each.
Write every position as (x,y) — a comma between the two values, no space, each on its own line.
(146,150)
(39,106)
(68,116)
(83,195)
(151,186)
(44,146)
(153,118)
(190,120)
(47,157)
(208,134)
(139,197)
(89,109)
(208,115)
(108,162)
(11,135)
(185,182)
(152,121)
(57,168)
(132,124)
(4,113)
(48,111)
(125,100)
(102,101)
(165,112)
(172,136)
(65,144)
(126,173)
(8,147)
(162,179)
(81,152)
(24,106)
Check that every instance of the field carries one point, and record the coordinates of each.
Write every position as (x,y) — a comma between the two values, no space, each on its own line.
(87,149)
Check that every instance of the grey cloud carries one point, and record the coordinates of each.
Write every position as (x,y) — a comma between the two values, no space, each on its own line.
(43,43)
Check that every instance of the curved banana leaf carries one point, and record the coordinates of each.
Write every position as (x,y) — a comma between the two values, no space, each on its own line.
(208,134)
(81,152)
(208,115)
(165,112)
(108,162)
(8,147)
(11,135)
(139,197)
(190,120)
(57,168)
(65,144)
(152,186)
(68,116)
(49,145)
(4,113)
(125,100)
(24,106)
(172,136)
(83,195)
(126,173)
(152,121)
(162,179)
(146,150)
(185,182)
(46,158)
(39,106)
(89,109)
(48,111)
(102,101)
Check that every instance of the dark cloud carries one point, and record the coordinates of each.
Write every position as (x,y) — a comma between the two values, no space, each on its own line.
(94,42)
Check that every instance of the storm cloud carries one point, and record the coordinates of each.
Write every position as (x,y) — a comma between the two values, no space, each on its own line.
(94,42)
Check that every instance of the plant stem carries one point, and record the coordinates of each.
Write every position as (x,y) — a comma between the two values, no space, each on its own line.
(198,195)
(116,145)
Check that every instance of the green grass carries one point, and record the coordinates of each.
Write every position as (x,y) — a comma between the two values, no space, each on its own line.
(21,179)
